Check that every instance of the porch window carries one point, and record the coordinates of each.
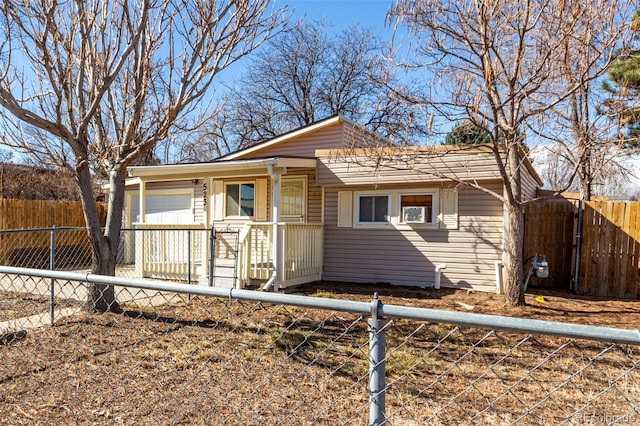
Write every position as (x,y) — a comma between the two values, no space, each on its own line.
(417,208)
(240,199)
(292,196)
(373,209)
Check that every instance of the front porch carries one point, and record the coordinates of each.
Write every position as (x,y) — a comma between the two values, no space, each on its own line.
(230,258)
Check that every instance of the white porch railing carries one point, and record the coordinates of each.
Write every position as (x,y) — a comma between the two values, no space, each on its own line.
(302,246)
(254,253)
(300,257)
(166,251)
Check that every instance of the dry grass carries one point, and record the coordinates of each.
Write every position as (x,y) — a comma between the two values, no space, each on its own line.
(208,361)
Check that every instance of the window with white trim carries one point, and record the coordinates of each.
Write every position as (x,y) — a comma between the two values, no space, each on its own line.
(416,208)
(373,209)
(240,199)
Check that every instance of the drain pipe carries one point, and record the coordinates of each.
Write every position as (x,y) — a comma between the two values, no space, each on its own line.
(439,269)
(275,179)
(268,286)
(498,266)
(576,277)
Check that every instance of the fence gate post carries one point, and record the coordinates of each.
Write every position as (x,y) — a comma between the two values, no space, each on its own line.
(188,256)
(52,266)
(377,375)
(212,247)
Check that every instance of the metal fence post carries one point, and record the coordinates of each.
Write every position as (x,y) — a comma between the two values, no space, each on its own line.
(52,266)
(212,238)
(377,356)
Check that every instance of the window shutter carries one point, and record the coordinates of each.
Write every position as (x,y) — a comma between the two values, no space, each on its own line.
(345,208)
(218,200)
(260,213)
(448,216)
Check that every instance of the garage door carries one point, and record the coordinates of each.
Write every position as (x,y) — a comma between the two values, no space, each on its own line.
(170,209)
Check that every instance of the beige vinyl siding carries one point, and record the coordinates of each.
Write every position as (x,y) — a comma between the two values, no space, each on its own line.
(409,257)
(529,185)
(358,137)
(349,170)
(328,137)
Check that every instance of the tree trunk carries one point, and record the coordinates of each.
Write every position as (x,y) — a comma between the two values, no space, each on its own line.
(514,289)
(102,297)
(584,180)
(585,190)
(104,245)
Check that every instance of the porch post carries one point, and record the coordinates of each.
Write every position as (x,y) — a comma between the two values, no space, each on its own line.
(140,237)
(275,199)
(142,195)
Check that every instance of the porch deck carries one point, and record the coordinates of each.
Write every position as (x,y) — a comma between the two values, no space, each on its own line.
(185,253)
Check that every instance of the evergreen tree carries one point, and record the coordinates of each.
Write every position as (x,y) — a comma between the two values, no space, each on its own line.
(467,132)
(624,85)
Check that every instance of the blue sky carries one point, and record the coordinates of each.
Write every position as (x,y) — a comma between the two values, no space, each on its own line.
(339,14)
(342,13)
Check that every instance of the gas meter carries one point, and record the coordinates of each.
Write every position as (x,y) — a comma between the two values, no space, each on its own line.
(540,266)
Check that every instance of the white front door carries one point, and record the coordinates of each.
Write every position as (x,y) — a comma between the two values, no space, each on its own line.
(293,200)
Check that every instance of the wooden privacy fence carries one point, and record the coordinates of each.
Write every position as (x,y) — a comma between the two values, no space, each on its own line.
(30,214)
(21,214)
(609,251)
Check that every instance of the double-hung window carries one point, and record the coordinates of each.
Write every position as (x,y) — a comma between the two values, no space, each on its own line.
(240,199)
(373,209)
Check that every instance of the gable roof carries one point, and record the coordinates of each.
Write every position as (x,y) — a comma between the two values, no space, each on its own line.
(301,131)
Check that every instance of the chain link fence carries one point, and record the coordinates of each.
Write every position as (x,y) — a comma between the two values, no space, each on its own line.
(173,252)
(180,354)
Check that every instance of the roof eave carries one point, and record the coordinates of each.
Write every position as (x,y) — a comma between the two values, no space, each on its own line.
(219,166)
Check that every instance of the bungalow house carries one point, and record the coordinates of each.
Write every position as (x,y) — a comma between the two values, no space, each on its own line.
(329,201)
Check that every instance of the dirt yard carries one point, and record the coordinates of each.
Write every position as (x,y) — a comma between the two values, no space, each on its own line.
(213,361)
(541,304)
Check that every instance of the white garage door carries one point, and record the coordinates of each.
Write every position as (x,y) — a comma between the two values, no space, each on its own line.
(170,209)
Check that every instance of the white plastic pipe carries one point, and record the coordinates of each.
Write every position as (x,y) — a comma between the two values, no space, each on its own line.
(439,269)
(498,265)
(268,286)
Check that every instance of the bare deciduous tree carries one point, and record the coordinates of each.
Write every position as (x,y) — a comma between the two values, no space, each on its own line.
(105,81)
(500,65)
(582,138)
(306,75)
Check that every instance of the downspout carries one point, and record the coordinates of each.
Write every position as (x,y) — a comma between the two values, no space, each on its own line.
(275,179)
(498,266)
(576,277)
(439,269)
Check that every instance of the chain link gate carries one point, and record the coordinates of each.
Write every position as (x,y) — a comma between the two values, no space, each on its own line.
(223,257)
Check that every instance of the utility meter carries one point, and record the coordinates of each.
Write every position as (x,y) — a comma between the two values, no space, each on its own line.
(540,266)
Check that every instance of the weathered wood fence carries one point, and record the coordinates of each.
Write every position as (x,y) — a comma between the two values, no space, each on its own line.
(30,214)
(19,214)
(609,257)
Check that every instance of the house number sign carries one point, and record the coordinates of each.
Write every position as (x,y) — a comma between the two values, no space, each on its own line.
(204,193)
